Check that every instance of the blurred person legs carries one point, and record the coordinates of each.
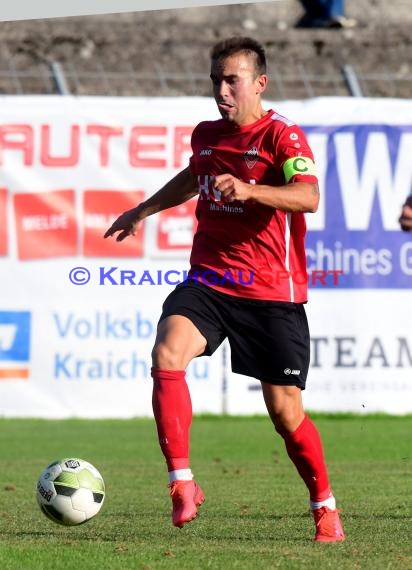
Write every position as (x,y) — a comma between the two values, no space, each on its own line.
(324,14)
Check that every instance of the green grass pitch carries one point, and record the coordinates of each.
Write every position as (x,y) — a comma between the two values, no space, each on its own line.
(255,515)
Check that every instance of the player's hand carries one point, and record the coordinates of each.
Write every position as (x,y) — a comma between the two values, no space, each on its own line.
(232,188)
(127,224)
(405,219)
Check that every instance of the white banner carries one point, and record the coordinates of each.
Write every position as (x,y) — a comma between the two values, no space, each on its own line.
(24,10)
(78,313)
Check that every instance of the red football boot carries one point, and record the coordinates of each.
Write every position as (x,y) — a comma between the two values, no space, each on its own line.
(186,497)
(328,525)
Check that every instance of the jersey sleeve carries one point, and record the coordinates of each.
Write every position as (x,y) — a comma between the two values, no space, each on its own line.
(294,156)
(193,166)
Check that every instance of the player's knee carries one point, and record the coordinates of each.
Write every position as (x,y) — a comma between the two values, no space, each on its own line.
(170,354)
(287,420)
(167,357)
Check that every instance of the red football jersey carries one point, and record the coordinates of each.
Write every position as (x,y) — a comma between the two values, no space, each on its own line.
(248,249)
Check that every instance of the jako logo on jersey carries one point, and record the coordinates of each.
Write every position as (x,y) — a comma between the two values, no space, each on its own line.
(14,344)
(205,152)
(251,156)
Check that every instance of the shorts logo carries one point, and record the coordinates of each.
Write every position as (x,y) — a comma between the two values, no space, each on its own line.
(288,371)
(14,344)
(251,156)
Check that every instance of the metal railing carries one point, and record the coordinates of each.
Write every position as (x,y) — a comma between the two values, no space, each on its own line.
(299,83)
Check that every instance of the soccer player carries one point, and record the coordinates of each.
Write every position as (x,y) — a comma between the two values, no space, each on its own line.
(405,219)
(254,175)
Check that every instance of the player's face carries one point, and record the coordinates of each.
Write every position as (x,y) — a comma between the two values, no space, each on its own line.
(237,88)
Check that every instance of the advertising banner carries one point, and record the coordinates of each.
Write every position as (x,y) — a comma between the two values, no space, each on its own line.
(78,313)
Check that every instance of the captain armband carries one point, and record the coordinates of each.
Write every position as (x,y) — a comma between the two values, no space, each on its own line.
(298,165)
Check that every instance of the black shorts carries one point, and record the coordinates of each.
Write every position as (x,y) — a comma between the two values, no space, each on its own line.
(269,340)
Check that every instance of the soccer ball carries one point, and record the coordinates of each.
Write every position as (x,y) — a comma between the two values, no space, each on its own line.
(70,491)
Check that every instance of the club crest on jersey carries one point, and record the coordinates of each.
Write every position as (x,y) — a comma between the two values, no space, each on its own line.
(251,156)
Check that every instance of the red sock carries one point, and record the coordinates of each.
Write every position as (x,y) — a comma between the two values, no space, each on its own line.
(172,408)
(304,447)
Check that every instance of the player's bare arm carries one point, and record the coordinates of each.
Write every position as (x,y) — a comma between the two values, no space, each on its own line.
(177,191)
(405,219)
(293,197)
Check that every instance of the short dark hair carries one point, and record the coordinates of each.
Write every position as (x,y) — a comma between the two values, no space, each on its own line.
(239,44)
